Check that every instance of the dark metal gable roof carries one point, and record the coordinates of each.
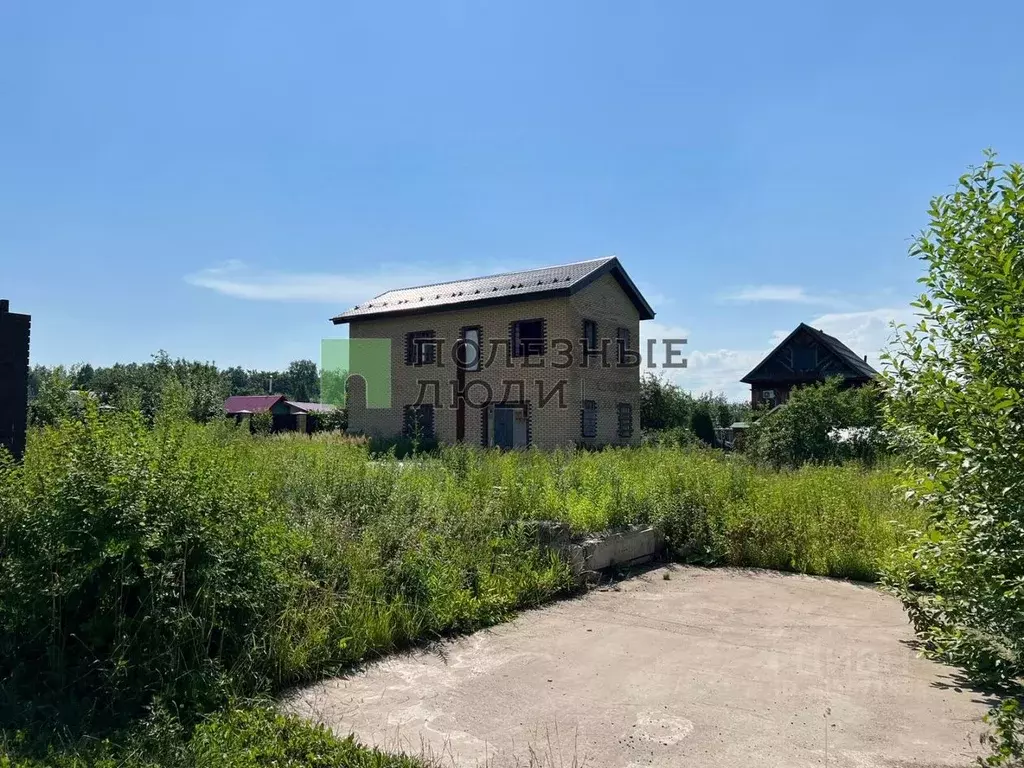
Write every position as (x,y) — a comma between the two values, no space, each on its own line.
(851,358)
(562,280)
(858,367)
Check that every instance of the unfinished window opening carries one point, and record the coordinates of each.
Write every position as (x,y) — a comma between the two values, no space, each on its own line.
(528,337)
(418,422)
(625,420)
(589,419)
(420,348)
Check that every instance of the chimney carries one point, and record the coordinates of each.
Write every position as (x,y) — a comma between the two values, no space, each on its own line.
(865,358)
(5,306)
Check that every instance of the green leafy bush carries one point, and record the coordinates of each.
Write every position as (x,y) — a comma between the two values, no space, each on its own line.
(186,563)
(810,427)
(261,422)
(138,563)
(54,399)
(956,405)
(334,420)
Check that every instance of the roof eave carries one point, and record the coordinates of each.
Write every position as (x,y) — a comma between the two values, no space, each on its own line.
(803,379)
(487,301)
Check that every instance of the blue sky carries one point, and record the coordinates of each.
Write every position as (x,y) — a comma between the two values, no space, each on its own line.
(217,179)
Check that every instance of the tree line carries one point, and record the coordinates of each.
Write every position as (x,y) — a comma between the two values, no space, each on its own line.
(60,391)
(670,412)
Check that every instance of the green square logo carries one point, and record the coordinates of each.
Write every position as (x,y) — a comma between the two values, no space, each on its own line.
(369,359)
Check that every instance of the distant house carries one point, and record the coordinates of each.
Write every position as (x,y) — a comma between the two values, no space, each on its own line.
(545,357)
(806,356)
(287,415)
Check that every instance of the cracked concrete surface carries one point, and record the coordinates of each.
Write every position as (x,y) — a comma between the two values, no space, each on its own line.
(718,667)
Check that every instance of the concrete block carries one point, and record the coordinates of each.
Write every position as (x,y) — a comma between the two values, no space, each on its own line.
(634,546)
(625,548)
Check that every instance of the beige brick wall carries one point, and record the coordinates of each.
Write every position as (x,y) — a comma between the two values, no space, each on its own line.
(604,302)
(550,425)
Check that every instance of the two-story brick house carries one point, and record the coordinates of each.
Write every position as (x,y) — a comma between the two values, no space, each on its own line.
(546,357)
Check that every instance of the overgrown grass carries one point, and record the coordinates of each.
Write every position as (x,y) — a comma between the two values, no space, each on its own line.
(715,508)
(150,577)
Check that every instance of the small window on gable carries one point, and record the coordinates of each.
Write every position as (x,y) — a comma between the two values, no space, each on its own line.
(805,358)
(768,396)
(420,348)
(528,338)
(589,419)
(625,413)
(418,422)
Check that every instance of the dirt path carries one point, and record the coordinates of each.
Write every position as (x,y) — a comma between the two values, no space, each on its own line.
(715,667)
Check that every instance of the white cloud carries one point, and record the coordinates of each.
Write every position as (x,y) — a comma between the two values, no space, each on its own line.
(652,329)
(784,294)
(237,279)
(793,294)
(720,370)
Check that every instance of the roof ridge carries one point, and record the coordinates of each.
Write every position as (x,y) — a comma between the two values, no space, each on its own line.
(602,259)
(835,340)
(835,345)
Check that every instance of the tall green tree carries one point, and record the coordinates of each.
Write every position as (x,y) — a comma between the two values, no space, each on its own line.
(53,401)
(303,381)
(956,402)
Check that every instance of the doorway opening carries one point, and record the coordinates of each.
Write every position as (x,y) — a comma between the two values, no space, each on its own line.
(508,425)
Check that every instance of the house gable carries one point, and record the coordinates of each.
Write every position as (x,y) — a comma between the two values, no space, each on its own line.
(809,355)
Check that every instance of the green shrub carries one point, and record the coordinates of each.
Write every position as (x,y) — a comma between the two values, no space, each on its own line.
(261,423)
(956,404)
(401,447)
(334,420)
(186,563)
(54,399)
(137,562)
(805,428)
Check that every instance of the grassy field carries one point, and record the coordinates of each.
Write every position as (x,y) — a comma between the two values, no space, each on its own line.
(155,582)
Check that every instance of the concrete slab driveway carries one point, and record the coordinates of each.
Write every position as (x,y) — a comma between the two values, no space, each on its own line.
(707,668)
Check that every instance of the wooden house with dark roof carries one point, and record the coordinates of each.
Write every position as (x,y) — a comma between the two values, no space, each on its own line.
(806,356)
